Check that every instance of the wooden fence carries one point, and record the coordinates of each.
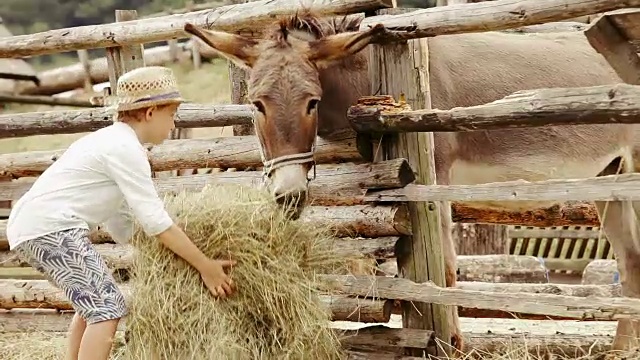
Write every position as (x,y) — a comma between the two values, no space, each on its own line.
(369,223)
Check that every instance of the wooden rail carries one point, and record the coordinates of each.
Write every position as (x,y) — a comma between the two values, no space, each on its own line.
(618,103)
(486,16)
(238,17)
(77,121)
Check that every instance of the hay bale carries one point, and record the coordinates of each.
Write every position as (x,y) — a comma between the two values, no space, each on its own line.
(275,312)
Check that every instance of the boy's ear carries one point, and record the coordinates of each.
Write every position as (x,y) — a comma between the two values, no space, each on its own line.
(149,112)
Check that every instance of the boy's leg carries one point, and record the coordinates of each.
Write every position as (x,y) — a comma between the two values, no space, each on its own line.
(76,331)
(71,263)
(98,340)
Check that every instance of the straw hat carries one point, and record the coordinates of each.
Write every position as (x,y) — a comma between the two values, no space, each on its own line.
(145,87)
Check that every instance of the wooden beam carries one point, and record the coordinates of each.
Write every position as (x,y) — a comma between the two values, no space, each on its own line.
(238,17)
(494,268)
(486,16)
(44,100)
(335,184)
(343,221)
(611,38)
(121,256)
(40,294)
(563,214)
(602,188)
(596,308)
(618,103)
(380,336)
(70,77)
(190,8)
(78,121)
(239,152)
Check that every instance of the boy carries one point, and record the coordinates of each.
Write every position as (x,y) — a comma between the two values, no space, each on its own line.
(96,181)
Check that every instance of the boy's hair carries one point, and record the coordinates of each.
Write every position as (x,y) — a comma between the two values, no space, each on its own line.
(136,114)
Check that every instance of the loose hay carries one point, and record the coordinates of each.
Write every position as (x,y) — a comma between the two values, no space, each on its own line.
(275,313)
(31,345)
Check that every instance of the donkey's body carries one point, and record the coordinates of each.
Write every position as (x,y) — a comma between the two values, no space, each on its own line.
(466,70)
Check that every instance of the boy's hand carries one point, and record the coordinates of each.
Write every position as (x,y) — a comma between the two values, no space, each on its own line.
(215,278)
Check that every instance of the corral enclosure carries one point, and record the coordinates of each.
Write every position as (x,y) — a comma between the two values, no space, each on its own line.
(489,286)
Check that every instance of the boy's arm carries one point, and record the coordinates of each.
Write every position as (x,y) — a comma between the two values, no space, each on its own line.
(129,168)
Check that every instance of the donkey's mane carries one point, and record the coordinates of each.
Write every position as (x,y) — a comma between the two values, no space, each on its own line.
(314,24)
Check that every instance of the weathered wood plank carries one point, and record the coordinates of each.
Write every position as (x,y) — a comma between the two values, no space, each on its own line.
(236,17)
(370,309)
(121,256)
(381,336)
(87,120)
(494,268)
(40,294)
(613,42)
(619,103)
(70,77)
(596,308)
(564,214)
(343,221)
(487,16)
(604,188)
(239,152)
(335,184)
(44,100)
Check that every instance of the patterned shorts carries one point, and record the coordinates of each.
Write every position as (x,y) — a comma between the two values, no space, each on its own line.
(70,262)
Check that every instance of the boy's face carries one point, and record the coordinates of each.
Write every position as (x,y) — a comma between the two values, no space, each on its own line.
(160,122)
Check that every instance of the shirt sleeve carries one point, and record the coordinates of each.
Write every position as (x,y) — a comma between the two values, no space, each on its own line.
(129,167)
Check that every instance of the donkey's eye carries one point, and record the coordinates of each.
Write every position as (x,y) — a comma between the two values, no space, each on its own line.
(313,103)
(259,105)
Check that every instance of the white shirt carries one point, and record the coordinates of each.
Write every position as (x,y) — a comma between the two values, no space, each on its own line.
(99,180)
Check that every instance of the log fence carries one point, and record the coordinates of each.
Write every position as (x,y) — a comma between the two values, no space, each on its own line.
(376,205)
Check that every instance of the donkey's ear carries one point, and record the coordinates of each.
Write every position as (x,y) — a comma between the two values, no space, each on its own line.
(332,48)
(241,50)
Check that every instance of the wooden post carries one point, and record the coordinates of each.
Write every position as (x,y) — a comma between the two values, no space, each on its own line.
(402,71)
(122,59)
(83,57)
(196,57)
(238,80)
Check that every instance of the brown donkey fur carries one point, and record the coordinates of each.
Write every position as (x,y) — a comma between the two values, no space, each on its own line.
(305,72)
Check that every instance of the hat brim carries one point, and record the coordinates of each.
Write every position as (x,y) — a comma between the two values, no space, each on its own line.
(147,104)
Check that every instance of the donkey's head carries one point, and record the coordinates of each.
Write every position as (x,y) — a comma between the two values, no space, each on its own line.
(284,87)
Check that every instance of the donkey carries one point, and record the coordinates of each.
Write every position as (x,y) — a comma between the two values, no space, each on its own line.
(305,72)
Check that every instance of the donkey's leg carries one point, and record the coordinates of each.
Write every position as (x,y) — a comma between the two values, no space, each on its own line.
(619,222)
